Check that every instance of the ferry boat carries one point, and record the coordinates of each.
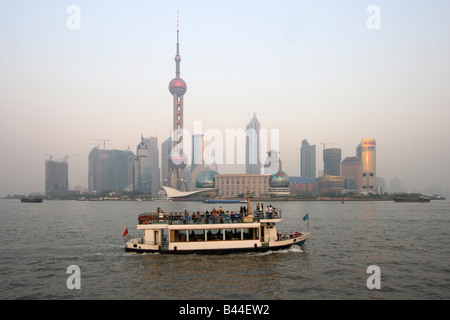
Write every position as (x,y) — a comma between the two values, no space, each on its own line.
(213,233)
(413,199)
(31,200)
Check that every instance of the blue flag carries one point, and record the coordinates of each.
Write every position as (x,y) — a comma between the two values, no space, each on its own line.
(306,217)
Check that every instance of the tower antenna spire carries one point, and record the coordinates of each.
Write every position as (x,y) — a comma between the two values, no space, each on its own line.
(178,33)
(177,88)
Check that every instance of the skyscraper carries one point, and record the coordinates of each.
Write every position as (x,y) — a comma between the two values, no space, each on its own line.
(153,151)
(332,162)
(142,169)
(307,160)
(177,159)
(166,147)
(147,174)
(56,175)
(351,170)
(368,160)
(197,164)
(252,161)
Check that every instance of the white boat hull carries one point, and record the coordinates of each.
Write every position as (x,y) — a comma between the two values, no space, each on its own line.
(215,247)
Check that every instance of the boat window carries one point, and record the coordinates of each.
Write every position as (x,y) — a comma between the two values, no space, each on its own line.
(233,234)
(213,235)
(196,235)
(178,235)
(249,234)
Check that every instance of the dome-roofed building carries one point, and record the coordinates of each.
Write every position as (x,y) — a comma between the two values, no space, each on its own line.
(279,182)
(206,179)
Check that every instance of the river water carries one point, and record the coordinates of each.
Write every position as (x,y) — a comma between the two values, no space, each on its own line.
(409,242)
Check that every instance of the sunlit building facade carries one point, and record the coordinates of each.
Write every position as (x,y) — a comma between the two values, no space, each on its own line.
(351,170)
(331,184)
(368,161)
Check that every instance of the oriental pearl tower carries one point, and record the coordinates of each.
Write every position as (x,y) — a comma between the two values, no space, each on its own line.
(177,159)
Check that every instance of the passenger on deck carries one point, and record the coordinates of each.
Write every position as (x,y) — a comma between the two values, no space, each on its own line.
(160,212)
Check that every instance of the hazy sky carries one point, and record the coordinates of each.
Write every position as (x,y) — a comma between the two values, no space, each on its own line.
(312,69)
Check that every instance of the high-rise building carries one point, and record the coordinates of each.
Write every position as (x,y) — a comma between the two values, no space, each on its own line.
(252,145)
(358,151)
(56,175)
(368,160)
(110,170)
(142,169)
(395,186)
(332,162)
(307,160)
(197,164)
(153,151)
(351,170)
(166,147)
(147,174)
(177,160)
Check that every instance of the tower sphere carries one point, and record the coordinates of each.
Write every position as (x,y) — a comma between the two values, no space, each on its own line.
(177,86)
(178,160)
(206,179)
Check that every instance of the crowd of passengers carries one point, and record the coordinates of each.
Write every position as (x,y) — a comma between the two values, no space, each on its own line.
(220,215)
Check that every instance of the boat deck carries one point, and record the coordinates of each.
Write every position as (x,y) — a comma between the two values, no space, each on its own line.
(206,218)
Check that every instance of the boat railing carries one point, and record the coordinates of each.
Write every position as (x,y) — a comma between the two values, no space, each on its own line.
(206,218)
(132,239)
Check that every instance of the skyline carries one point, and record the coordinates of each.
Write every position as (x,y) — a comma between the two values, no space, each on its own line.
(313,70)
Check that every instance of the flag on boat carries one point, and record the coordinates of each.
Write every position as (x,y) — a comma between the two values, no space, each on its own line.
(125,232)
(306,217)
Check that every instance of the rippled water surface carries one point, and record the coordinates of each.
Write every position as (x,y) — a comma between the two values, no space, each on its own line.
(409,242)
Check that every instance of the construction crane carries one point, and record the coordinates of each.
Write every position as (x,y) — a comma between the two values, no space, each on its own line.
(104,142)
(66,158)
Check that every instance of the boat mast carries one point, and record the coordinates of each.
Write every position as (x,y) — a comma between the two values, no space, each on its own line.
(249,205)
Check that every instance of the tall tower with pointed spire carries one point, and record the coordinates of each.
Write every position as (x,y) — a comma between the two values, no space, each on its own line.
(177,159)
(252,161)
